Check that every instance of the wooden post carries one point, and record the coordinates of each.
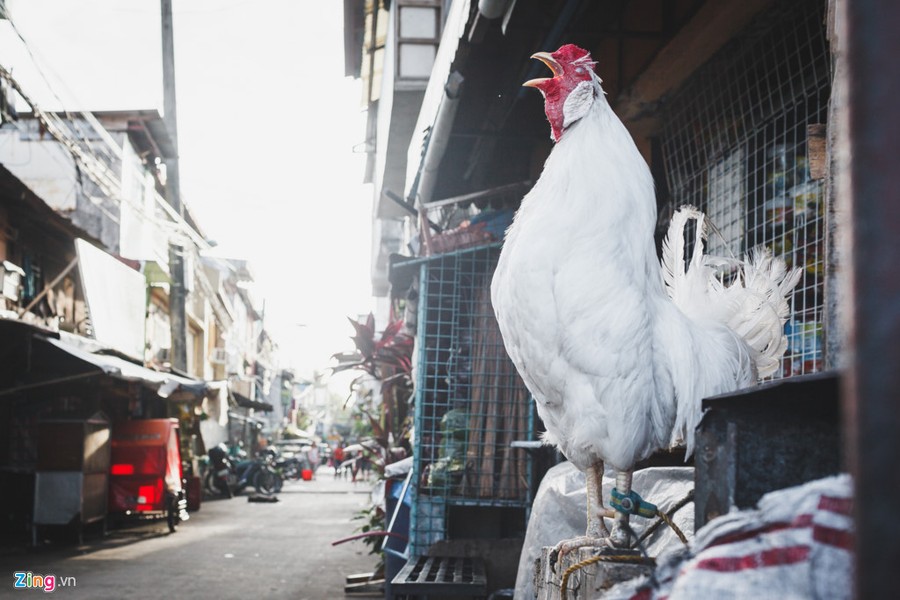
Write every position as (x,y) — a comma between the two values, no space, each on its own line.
(177,321)
(178,327)
(173,183)
(873,353)
(588,582)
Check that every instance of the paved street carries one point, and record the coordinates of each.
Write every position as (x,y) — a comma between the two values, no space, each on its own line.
(228,549)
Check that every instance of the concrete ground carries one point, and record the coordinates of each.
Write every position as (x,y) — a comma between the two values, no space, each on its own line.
(228,549)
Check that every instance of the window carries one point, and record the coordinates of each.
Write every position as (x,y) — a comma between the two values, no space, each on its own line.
(418,36)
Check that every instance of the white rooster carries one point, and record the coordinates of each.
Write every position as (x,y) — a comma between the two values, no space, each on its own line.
(617,351)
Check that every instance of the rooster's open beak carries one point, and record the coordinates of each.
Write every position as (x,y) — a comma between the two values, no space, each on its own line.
(547,59)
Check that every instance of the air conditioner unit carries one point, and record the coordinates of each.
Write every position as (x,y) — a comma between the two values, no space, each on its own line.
(219,356)
(10,280)
(162,355)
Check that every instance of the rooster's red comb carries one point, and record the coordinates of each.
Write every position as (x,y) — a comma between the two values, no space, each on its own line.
(570,53)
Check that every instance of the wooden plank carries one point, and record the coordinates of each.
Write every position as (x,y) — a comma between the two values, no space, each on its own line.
(816,151)
(365,587)
(715,24)
(480,195)
(867,184)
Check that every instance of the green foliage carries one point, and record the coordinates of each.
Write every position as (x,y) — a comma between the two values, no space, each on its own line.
(388,360)
(372,520)
(302,421)
(384,419)
(361,428)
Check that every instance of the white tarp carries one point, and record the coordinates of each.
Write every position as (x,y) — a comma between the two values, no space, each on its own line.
(116,296)
(214,429)
(558,512)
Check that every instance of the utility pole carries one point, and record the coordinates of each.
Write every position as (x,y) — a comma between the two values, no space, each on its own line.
(173,187)
(178,351)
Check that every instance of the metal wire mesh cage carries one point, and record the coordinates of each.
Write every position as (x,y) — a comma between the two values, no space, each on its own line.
(470,402)
(735,145)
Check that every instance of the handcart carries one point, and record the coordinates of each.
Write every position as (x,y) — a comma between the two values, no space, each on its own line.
(72,472)
(146,479)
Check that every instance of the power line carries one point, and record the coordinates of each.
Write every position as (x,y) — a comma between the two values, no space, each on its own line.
(104,135)
(91,161)
(95,168)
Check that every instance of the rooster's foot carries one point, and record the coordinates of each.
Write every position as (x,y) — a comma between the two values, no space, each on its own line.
(619,537)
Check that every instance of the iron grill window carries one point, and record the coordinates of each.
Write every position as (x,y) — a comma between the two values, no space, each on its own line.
(470,402)
(734,144)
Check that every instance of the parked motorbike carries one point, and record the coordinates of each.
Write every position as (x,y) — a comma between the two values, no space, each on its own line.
(260,474)
(287,467)
(226,477)
(284,467)
(219,472)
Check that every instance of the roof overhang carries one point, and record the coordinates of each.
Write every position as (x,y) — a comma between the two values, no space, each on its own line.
(25,204)
(496,132)
(52,360)
(245,402)
(146,128)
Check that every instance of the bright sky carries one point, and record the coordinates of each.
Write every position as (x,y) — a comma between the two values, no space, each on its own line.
(266,124)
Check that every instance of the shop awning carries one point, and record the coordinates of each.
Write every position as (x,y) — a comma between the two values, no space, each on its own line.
(51,361)
(247,419)
(245,402)
(165,384)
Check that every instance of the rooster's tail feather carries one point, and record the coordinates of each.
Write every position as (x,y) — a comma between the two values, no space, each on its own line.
(754,304)
(762,307)
(673,270)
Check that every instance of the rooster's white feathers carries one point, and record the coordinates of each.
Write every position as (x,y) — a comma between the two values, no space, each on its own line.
(618,350)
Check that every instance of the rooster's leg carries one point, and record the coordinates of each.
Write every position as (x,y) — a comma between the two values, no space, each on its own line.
(597,534)
(619,535)
(596,528)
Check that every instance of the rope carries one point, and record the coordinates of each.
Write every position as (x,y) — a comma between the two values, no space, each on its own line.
(674,527)
(631,558)
(666,518)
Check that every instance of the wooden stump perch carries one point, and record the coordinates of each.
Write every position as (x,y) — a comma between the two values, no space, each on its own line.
(586,583)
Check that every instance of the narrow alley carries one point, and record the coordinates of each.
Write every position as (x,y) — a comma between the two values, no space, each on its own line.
(228,549)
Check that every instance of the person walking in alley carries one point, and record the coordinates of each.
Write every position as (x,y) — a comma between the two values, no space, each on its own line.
(313,457)
(337,459)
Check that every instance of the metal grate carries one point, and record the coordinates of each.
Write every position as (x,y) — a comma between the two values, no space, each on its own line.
(439,575)
(734,144)
(470,402)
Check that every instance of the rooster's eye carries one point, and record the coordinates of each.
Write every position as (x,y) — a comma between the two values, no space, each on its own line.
(579,70)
